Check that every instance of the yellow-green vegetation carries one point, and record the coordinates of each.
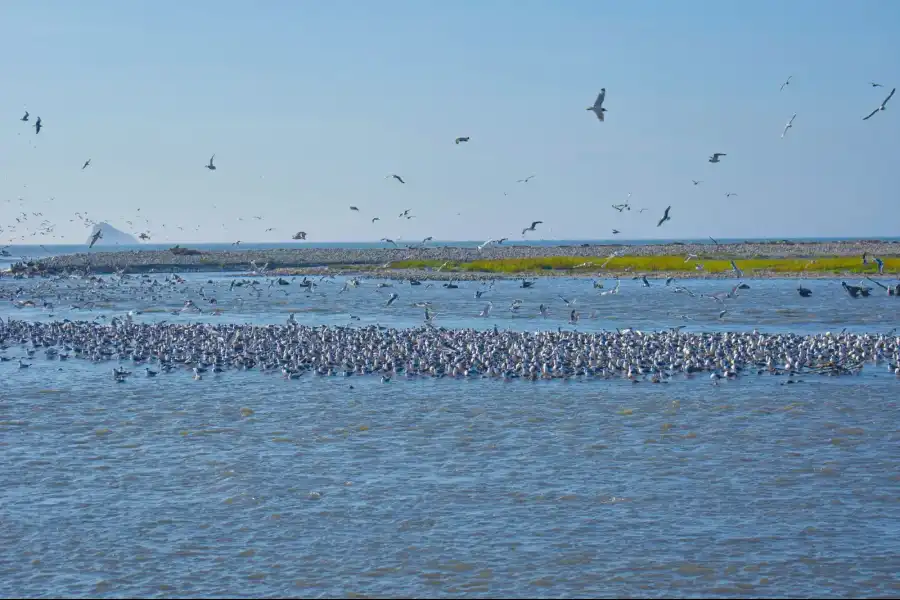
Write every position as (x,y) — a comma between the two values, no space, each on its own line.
(649,264)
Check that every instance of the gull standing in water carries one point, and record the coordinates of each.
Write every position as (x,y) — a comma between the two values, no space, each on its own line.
(532,228)
(597,108)
(869,116)
(789,125)
(211,166)
(715,157)
(665,217)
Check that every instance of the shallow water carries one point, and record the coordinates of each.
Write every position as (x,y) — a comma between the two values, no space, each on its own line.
(246,484)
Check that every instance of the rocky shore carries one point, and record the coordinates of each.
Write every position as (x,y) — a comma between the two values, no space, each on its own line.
(367,260)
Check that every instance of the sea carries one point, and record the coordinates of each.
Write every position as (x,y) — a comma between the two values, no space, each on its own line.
(249,485)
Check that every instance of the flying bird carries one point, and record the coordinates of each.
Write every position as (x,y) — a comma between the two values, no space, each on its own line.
(394,296)
(211,166)
(872,83)
(354,208)
(524,180)
(38,125)
(404,213)
(25,118)
(715,157)
(397,177)
(375,219)
(597,108)
(786,82)
(665,217)
(300,235)
(459,140)
(97,235)
(532,228)
(616,231)
(696,182)
(789,125)
(730,194)
(869,116)
(86,164)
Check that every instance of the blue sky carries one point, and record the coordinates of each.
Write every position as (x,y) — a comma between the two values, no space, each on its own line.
(308,105)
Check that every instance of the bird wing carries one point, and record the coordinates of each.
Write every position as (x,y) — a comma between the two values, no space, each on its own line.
(211,158)
(869,116)
(398,178)
(599,102)
(599,114)
(535,224)
(888,98)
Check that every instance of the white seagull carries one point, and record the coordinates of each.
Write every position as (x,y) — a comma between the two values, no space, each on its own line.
(532,228)
(789,125)
(715,157)
(869,116)
(597,108)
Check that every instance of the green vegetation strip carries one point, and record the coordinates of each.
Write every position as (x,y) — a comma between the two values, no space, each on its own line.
(662,264)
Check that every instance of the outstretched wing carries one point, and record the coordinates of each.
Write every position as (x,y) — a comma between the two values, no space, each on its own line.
(598,103)
(888,98)
(871,114)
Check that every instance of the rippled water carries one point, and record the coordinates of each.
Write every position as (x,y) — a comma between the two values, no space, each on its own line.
(245,484)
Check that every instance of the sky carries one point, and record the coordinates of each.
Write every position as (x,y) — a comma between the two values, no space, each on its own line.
(309,105)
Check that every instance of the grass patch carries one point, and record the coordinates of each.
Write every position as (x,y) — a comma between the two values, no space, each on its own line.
(650,264)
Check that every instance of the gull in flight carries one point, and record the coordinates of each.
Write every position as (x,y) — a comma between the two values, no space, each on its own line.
(616,231)
(715,157)
(459,140)
(620,207)
(354,208)
(97,235)
(404,213)
(394,296)
(737,271)
(789,125)
(37,124)
(532,228)
(696,182)
(300,235)
(524,180)
(597,108)
(730,194)
(388,241)
(375,219)
(397,177)
(872,83)
(86,164)
(211,166)
(665,217)
(785,83)
(869,116)
(25,118)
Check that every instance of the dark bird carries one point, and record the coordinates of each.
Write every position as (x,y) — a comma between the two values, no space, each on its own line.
(25,118)
(786,82)
(37,126)
(597,108)
(354,208)
(97,235)
(872,83)
(300,235)
(524,180)
(86,164)
(462,139)
(375,219)
(804,292)
(615,231)
(666,217)
(211,166)
(715,157)
(696,182)
(869,116)
(532,228)
(397,177)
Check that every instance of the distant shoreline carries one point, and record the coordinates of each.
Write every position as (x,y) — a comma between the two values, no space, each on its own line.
(785,259)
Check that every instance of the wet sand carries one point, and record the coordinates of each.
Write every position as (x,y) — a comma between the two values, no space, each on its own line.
(371,260)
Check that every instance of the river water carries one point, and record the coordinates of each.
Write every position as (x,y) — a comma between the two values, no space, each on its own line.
(248,485)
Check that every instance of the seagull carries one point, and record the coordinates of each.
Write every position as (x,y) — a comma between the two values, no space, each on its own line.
(730,194)
(397,177)
(619,207)
(804,292)
(785,83)
(404,213)
(665,218)
(532,228)
(789,125)
(644,281)
(737,271)
(388,241)
(864,118)
(211,166)
(300,235)
(375,219)
(394,296)
(354,208)
(598,104)
(524,180)
(715,157)
(86,164)
(872,83)
(97,235)
(696,182)
(25,118)
(461,139)
(37,125)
